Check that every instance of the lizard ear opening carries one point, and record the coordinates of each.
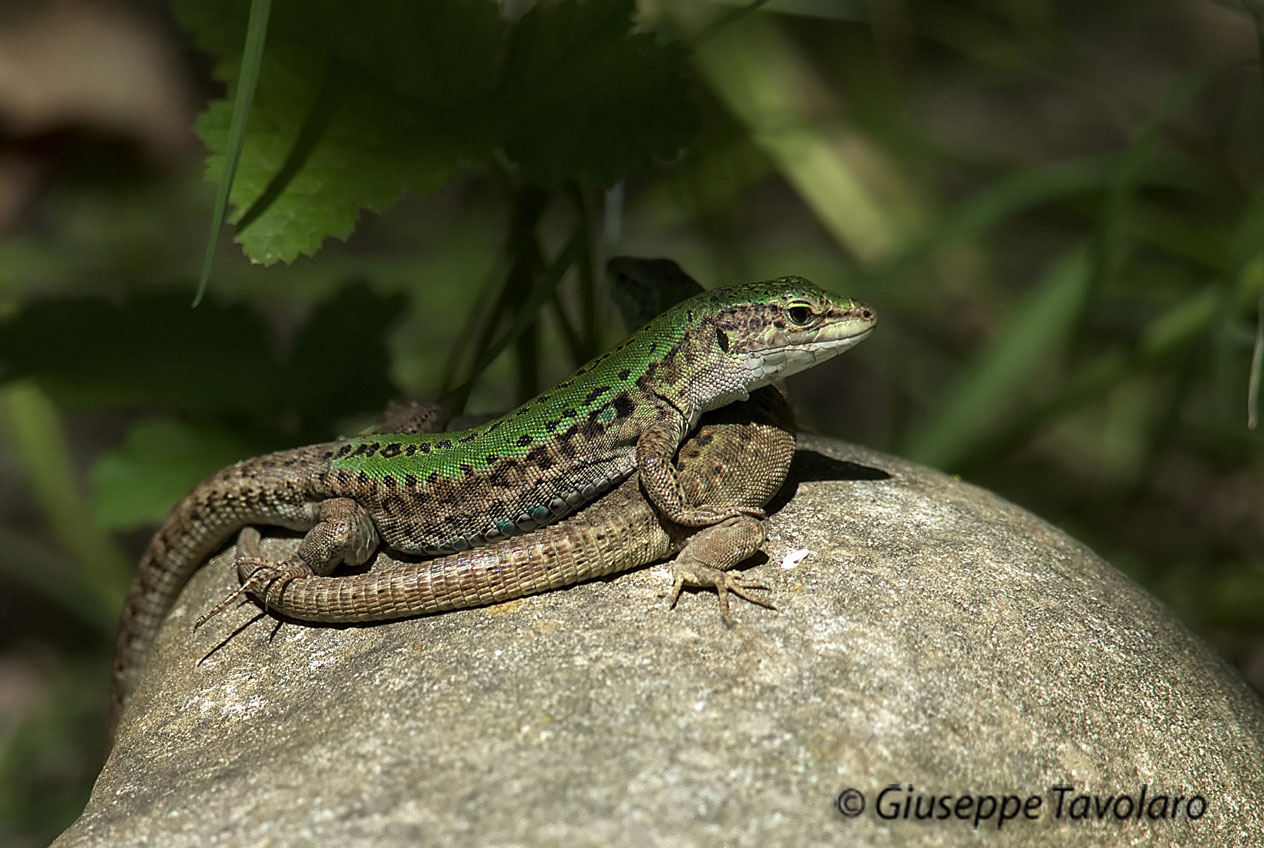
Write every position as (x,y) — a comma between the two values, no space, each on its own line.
(722,339)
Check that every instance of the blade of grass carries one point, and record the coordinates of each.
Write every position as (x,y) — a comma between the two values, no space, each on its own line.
(1257,352)
(570,336)
(1178,233)
(830,10)
(994,377)
(612,214)
(478,322)
(589,331)
(251,62)
(1167,334)
(1110,243)
(1071,183)
(1257,363)
(729,17)
(762,78)
(1244,252)
(40,446)
(522,259)
(53,576)
(1166,427)
(991,206)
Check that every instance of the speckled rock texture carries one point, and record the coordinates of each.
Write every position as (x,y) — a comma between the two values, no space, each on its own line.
(931,640)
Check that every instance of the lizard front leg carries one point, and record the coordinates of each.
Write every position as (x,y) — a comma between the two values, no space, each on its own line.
(344,534)
(655,462)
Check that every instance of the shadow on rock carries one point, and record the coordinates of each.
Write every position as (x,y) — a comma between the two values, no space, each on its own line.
(811,466)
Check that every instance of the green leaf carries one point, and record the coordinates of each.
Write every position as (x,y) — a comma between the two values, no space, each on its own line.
(356,103)
(161,459)
(338,366)
(586,97)
(154,351)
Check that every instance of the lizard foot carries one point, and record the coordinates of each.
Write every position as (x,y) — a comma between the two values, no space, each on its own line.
(723,582)
(709,554)
(344,533)
(260,578)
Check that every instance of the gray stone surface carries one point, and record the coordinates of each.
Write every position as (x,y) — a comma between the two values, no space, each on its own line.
(934,636)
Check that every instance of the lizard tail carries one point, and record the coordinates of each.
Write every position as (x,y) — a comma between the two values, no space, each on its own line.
(274,489)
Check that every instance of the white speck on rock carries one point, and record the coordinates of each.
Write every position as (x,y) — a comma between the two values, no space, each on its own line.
(794,558)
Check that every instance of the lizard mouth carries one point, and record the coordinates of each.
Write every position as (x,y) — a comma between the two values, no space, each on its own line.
(777,363)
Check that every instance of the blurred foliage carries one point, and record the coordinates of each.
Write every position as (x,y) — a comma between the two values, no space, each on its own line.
(1058,209)
(353,106)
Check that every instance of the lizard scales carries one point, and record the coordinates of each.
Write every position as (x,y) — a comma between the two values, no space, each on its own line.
(740,454)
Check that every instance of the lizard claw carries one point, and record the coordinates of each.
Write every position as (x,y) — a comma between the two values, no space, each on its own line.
(247,549)
(259,577)
(260,581)
(220,607)
(695,573)
(709,553)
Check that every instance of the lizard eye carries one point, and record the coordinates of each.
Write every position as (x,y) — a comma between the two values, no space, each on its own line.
(801,315)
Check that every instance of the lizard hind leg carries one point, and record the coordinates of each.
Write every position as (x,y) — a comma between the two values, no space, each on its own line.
(344,534)
(655,460)
(707,557)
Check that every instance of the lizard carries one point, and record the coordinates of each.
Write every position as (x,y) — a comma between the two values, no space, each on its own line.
(623,413)
(740,454)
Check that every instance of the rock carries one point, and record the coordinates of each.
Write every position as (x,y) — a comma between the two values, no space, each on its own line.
(933,637)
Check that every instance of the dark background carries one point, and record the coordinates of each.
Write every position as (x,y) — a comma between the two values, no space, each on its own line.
(1056,207)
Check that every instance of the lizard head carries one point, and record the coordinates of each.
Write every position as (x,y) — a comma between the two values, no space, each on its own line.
(773,329)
